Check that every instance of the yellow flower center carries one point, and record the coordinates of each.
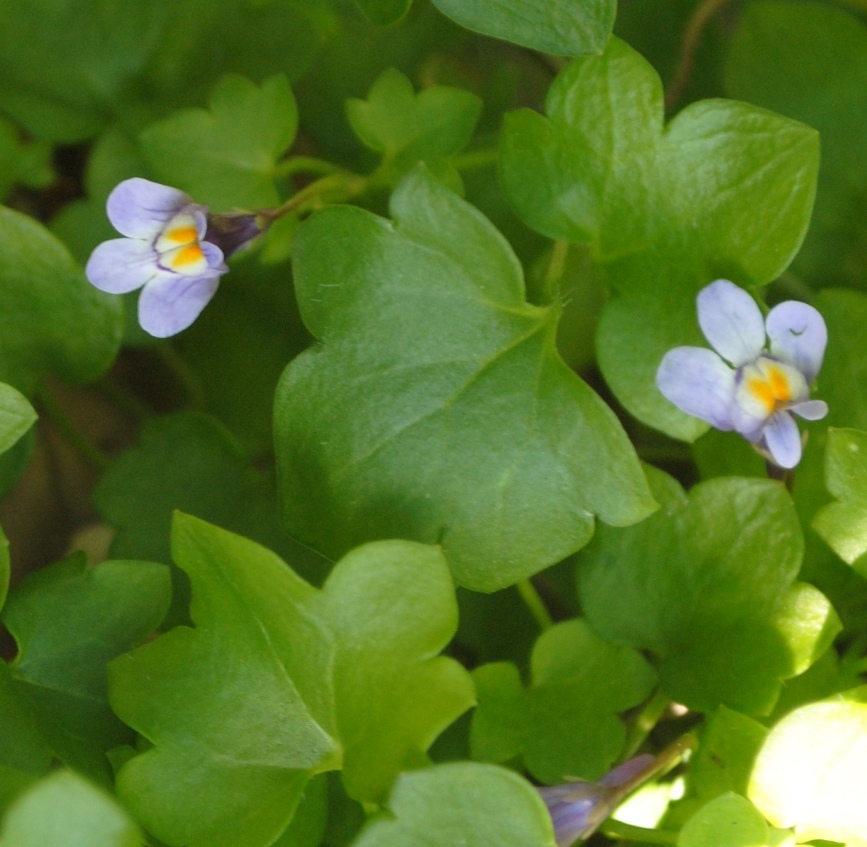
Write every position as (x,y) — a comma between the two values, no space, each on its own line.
(179,248)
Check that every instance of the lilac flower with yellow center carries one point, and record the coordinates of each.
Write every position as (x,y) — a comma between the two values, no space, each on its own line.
(758,377)
(171,250)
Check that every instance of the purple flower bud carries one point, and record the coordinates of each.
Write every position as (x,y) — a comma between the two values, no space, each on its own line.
(759,375)
(233,231)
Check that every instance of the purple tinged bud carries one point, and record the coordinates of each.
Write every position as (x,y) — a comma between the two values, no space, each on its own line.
(233,231)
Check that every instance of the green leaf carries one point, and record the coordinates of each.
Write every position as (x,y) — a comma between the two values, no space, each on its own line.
(812,770)
(809,62)
(435,406)
(563,27)
(565,724)
(65,809)
(708,586)
(22,746)
(69,621)
(727,821)
(407,128)
(730,743)
(725,190)
(4,567)
(59,323)
(20,162)
(384,12)
(278,681)
(16,417)
(463,803)
(226,155)
(843,524)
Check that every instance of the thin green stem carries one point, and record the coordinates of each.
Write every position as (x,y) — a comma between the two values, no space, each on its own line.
(341,186)
(304,165)
(82,445)
(534,603)
(647,719)
(694,31)
(184,375)
(627,832)
(473,159)
(555,270)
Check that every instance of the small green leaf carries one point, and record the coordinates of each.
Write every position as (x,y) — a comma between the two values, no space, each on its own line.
(843,524)
(463,803)
(812,770)
(564,27)
(725,190)
(16,417)
(22,745)
(65,809)
(435,406)
(226,155)
(57,322)
(384,12)
(69,621)
(708,586)
(727,821)
(278,681)
(407,128)
(566,723)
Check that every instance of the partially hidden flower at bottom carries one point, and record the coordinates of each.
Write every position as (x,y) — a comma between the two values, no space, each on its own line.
(578,808)
(172,249)
(760,374)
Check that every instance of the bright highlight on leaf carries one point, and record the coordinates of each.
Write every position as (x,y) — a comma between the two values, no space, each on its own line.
(279,681)
(811,773)
(449,416)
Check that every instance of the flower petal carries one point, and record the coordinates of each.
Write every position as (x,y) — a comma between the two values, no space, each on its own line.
(783,440)
(699,383)
(139,208)
(122,265)
(731,322)
(214,255)
(167,306)
(576,809)
(798,335)
(627,770)
(810,410)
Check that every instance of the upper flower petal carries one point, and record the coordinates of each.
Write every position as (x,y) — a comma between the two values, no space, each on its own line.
(783,440)
(139,208)
(731,322)
(798,335)
(122,265)
(169,305)
(699,383)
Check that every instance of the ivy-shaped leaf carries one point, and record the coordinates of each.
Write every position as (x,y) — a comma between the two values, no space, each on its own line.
(278,681)
(407,128)
(565,27)
(435,406)
(565,724)
(464,803)
(811,773)
(69,621)
(843,524)
(226,155)
(730,821)
(725,190)
(65,809)
(708,586)
(384,12)
(58,322)
(16,417)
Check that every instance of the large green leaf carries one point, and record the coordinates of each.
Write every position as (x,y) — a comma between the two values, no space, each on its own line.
(56,322)
(226,155)
(809,61)
(566,27)
(435,406)
(729,821)
(65,809)
(69,621)
(812,770)
(725,190)
(278,681)
(708,586)
(565,724)
(463,803)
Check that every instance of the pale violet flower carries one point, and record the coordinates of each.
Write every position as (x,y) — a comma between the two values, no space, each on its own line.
(172,249)
(577,808)
(759,375)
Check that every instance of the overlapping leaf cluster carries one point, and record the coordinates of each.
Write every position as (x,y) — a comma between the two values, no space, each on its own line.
(302,612)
